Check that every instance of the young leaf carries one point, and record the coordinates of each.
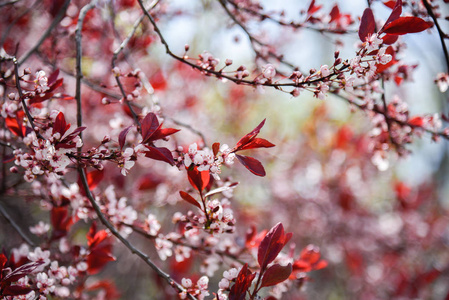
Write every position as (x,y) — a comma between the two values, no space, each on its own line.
(252,164)
(404,25)
(276,274)
(247,138)
(189,199)
(162,133)
(215,148)
(242,284)
(198,179)
(271,245)
(94,177)
(60,124)
(257,143)
(15,125)
(367,25)
(122,136)
(395,13)
(160,153)
(149,125)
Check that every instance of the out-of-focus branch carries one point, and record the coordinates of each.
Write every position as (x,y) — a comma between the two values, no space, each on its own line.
(441,34)
(59,16)
(125,242)
(15,226)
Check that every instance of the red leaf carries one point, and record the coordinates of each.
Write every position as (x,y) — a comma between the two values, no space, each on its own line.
(160,153)
(247,138)
(94,177)
(198,179)
(335,13)
(162,133)
(276,274)
(189,199)
(3,261)
(380,67)
(312,8)
(149,125)
(53,76)
(242,284)
(390,3)
(15,125)
(61,221)
(16,290)
(396,12)
(252,164)
(122,136)
(271,245)
(21,271)
(390,39)
(215,148)
(257,143)
(404,25)
(60,124)
(416,121)
(367,25)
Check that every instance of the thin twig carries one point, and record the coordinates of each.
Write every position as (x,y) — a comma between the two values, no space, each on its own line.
(56,20)
(440,32)
(125,242)
(16,226)
(189,127)
(79,55)
(9,3)
(7,144)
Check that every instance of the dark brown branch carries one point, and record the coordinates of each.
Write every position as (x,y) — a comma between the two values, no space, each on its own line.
(441,34)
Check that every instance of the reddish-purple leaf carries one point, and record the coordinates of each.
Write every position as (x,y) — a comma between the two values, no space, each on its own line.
(404,25)
(242,284)
(15,125)
(395,13)
(335,13)
(189,199)
(247,138)
(160,153)
(3,261)
(94,177)
(162,133)
(122,136)
(21,271)
(252,164)
(198,179)
(313,8)
(257,143)
(215,148)
(367,25)
(149,125)
(390,39)
(53,76)
(276,274)
(16,290)
(60,124)
(271,245)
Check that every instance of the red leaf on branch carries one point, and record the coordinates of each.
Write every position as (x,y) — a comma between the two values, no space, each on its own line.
(60,124)
(100,246)
(390,3)
(149,125)
(122,136)
(94,177)
(152,131)
(61,221)
(313,8)
(276,274)
(367,25)
(215,148)
(242,284)
(185,196)
(271,245)
(395,13)
(198,179)
(248,138)
(160,153)
(309,260)
(15,125)
(252,164)
(257,143)
(404,25)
